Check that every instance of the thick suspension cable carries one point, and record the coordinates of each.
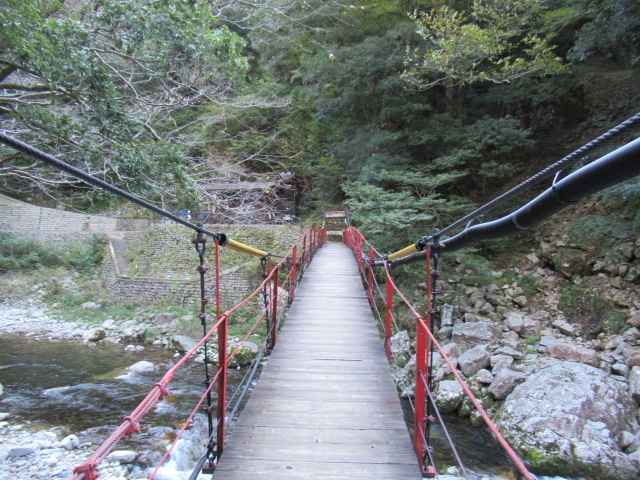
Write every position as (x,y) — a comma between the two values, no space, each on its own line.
(548,172)
(566,162)
(96,182)
(616,167)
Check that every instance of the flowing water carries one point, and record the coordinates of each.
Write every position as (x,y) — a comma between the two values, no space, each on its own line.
(88,391)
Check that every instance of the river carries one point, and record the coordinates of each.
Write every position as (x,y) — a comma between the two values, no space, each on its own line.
(88,391)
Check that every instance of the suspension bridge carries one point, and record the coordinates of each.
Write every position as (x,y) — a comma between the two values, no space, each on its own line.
(325,405)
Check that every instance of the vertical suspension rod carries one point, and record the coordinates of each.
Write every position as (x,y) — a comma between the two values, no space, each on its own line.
(200,244)
(223,339)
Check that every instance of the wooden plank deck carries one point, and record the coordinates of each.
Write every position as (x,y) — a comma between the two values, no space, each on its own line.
(325,406)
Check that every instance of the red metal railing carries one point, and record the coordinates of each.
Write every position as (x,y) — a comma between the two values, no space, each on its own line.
(425,339)
(281,278)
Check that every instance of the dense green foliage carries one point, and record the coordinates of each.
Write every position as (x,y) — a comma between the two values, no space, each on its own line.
(95,82)
(18,253)
(409,111)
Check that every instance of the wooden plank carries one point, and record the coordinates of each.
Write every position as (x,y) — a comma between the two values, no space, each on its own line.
(325,406)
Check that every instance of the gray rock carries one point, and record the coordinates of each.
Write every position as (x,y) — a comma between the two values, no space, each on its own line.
(401,344)
(535,260)
(130,324)
(245,354)
(94,334)
(486,308)
(500,362)
(449,395)
(135,334)
(496,300)
(565,327)
(626,439)
(123,457)
(452,350)
(22,450)
(405,377)
(108,323)
(163,318)
(632,357)
(572,262)
(469,335)
(504,382)
(634,384)
(522,324)
(620,369)
(632,334)
(511,336)
(520,301)
(141,367)
(548,340)
(635,444)
(70,442)
(90,305)
(484,376)
(446,318)
(182,343)
(512,352)
(474,359)
(573,353)
(633,274)
(567,417)
(4,416)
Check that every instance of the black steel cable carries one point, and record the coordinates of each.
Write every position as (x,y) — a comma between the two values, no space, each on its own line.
(560,165)
(243,388)
(446,431)
(620,165)
(96,182)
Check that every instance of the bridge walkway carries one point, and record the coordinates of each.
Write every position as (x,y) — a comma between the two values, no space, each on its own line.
(325,406)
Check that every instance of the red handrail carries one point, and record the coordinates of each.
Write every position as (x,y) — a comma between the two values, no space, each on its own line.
(130,424)
(424,338)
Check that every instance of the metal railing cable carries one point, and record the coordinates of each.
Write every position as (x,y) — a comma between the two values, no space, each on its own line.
(445,430)
(130,424)
(426,344)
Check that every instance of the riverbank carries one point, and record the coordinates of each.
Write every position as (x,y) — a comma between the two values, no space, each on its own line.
(39,440)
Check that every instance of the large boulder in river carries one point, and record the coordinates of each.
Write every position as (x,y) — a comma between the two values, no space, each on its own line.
(474,359)
(449,395)
(469,335)
(567,419)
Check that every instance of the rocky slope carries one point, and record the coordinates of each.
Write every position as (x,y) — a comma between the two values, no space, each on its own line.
(551,345)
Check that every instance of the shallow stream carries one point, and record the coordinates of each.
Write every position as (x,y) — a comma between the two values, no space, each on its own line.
(88,391)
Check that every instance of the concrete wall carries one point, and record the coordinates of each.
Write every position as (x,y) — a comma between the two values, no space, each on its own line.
(164,261)
(49,223)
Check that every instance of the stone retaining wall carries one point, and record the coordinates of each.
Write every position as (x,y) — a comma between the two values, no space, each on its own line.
(167,277)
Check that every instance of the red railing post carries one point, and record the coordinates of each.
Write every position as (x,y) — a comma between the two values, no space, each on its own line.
(388,316)
(223,334)
(423,347)
(420,394)
(303,264)
(294,279)
(347,234)
(274,306)
(360,253)
(370,277)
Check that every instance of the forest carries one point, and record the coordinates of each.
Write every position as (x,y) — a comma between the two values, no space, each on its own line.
(411,112)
